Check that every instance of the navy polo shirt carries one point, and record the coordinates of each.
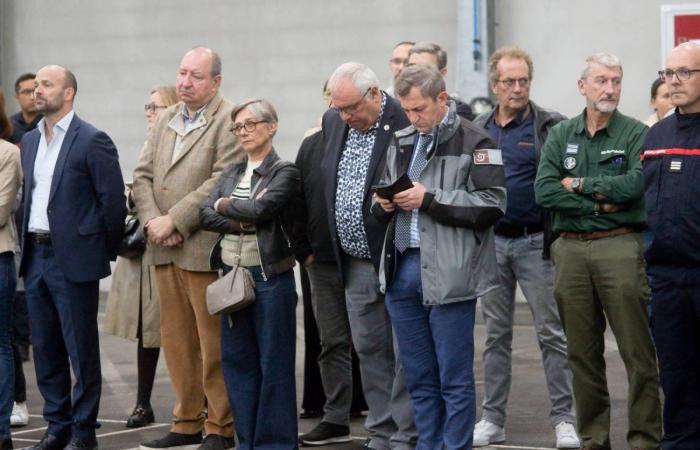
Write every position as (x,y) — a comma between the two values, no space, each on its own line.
(20,127)
(517,143)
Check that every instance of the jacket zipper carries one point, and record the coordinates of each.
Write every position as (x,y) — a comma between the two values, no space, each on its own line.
(442,173)
(262,268)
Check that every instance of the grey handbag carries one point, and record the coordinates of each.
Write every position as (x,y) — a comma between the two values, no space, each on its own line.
(233,291)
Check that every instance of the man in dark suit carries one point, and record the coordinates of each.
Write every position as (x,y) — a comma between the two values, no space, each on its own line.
(74,210)
(357,130)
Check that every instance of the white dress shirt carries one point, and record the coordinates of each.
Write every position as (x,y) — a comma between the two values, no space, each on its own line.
(44,166)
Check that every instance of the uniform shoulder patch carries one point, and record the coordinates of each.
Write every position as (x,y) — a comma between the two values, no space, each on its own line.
(488,156)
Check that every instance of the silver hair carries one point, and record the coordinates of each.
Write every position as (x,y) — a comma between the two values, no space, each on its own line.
(604,59)
(426,78)
(261,108)
(362,77)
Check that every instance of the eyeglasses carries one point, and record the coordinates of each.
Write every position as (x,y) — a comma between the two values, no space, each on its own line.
(510,82)
(248,125)
(683,74)
(151,107)
(351,109)
(26,92)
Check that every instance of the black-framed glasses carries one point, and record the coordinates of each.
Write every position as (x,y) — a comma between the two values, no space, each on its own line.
(248,125)
(510,82)
(152,107)
(351,109)
(682,74)
(28,91)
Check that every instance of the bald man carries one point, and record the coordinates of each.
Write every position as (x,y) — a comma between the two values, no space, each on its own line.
(74,210)
(188,147)
(671,154)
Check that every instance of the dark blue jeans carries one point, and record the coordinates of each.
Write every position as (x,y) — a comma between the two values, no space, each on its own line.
(436,347)
(63,315)
(257,355)
(8,282)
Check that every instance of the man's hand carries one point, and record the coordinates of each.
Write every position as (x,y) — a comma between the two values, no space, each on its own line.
(611,208)
(410,198)
(387,205)
(309,260)
(566,182)
(160,228)
(173,240)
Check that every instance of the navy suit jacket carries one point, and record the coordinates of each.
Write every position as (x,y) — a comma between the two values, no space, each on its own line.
(86,208)
(335,132)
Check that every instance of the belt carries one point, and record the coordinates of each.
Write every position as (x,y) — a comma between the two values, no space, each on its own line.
(600,234)
(515,231)
(40,238)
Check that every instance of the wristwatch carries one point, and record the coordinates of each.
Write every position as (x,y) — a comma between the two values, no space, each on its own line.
(576,184)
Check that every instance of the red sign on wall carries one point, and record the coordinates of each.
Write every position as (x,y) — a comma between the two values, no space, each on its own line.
(687,28)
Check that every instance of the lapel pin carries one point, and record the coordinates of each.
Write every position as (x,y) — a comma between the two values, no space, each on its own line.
(386,127)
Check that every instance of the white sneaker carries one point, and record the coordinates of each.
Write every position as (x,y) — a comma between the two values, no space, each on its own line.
(486,433)
(20,415)
(566,435)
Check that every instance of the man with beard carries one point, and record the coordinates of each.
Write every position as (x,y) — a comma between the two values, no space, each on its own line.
(590,177)
(74,210)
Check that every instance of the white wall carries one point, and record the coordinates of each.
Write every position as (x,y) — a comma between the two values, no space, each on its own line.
(281,50)
(560,34)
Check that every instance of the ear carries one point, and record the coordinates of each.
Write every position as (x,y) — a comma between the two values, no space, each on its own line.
(68,94)
(581,85)
(442,98)
(493,87)
(443,72)
(217,81)
(272,127)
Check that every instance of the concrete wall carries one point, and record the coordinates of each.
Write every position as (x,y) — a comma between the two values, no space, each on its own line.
(560,34)
(281,50)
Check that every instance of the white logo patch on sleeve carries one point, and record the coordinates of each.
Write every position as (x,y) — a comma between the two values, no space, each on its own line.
(488,156)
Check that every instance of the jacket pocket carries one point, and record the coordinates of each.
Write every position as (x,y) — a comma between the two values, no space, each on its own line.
(90,228)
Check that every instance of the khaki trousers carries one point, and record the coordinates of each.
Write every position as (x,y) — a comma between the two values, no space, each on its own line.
(191,341)
(595,280)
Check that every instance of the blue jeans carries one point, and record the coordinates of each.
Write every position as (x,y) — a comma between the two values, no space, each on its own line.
(436,346)
(257,355)
(8,282)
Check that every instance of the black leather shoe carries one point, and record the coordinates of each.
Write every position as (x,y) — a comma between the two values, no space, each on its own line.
(81,444)
(49,442)
(141,417)
(6,444)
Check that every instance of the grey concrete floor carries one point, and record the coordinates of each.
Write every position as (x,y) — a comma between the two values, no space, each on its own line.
(527,425)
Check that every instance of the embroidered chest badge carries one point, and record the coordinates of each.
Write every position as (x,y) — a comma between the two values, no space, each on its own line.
(569,163)
(571,149)
(675,165)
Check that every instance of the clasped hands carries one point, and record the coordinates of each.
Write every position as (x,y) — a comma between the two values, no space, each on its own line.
(601,207)
(407,200)
(161,231)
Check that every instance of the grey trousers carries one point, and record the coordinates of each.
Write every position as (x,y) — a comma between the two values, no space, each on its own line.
(520,260)
(335,364)
(390,419)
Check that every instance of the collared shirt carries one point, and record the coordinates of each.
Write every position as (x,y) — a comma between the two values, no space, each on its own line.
(349,195)
(517,143)
(20,127)
(183,125)
(415,233)
(609,163)
(44,166)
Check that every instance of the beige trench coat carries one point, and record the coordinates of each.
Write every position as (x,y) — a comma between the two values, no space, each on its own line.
(133,280)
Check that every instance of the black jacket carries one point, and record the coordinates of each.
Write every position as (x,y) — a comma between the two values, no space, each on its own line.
(335,131)
(311,234)
(275,186)
(544,120)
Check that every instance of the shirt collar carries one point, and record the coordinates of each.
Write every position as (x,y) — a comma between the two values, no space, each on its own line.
(609,128)
(517,120)
(186,114)
(375,125)
(62,124)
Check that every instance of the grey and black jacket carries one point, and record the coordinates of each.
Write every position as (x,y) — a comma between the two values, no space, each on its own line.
(465,196)
(543,119)
(275,188)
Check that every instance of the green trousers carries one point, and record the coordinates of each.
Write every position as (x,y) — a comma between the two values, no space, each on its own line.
(595,280)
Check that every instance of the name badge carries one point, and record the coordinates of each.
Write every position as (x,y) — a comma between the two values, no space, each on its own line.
(571,149)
